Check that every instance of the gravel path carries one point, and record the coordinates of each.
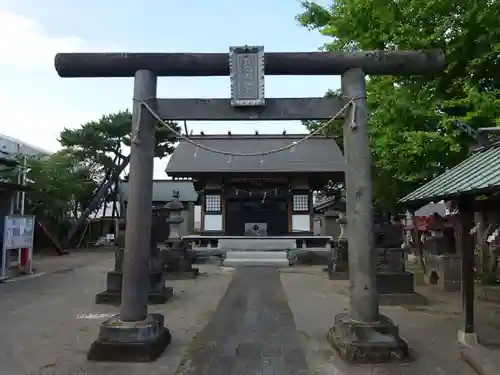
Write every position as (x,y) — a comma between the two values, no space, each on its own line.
(431,333)
(49,322)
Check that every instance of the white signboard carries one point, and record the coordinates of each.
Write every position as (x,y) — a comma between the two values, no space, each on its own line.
(18,231)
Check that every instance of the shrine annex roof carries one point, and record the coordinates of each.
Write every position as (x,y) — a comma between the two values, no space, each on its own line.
(479,174)
(316,154)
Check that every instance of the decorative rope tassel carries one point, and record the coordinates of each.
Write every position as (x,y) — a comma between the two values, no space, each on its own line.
(292,149)
(353,124)
(264,197)
(135,139)
(230,159)
(196,151)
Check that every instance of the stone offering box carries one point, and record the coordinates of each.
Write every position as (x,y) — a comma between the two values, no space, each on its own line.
(444,271)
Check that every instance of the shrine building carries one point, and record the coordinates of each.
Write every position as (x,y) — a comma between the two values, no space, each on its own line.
(270,195)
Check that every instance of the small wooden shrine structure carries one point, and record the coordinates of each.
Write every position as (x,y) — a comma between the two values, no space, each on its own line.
(269,195)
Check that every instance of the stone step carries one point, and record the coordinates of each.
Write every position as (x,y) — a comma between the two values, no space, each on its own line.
(256,244)
(256,258)
(256,254)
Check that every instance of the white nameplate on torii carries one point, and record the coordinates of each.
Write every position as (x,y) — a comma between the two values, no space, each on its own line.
(246,72)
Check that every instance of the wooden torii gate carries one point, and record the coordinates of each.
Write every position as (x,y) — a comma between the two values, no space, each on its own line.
(352,333)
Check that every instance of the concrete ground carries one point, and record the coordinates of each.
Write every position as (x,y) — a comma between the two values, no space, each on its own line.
(48,322)
(431,331)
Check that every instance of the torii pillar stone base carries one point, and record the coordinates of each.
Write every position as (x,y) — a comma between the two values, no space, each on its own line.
(361,342)
(138,341)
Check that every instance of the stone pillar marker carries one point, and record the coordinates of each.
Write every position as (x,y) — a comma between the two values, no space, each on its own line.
(342,220)
(339,268)
(363,334)
(134,335)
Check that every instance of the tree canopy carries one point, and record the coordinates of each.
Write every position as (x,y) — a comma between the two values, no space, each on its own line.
(101,141)
(101,144)
(412,123)
(61,185)
(64,183)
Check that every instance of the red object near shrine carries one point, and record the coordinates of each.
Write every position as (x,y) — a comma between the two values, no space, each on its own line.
(25,257)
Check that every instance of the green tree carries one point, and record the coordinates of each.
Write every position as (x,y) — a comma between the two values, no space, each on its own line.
(412,119)
(61,186)
(100,142)
(102,145)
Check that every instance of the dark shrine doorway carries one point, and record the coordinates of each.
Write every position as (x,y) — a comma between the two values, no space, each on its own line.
(256,210)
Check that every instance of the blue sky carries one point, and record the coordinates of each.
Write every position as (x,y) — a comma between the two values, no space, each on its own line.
(36,104)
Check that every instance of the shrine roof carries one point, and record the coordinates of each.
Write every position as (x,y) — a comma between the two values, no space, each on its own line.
(163,190)
(479,174)
(316,154)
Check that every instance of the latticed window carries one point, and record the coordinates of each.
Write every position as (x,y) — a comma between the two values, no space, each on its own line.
(301,203)
(212,203)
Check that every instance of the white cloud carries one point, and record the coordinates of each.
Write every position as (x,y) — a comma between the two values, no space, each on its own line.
(26,44)
(33,106)
(34,102)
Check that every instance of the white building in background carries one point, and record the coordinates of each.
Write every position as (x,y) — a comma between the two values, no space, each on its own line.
(9,148)
(12,146)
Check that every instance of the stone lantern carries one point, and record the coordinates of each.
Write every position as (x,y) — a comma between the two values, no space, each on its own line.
(178,255)
(174,219)
(158,293)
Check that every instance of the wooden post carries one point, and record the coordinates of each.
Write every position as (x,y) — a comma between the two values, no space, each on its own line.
(479,221)
(311,212)
(202,212)
(466,248)
(418,244)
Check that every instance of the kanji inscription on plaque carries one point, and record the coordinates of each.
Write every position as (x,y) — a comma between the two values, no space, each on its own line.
(246,66)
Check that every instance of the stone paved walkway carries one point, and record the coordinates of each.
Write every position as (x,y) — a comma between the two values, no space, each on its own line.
(252,331)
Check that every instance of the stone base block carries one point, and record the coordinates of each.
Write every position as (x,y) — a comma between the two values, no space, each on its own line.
(405,299)
(449,285)
(466,338)
(489,293)
(256,258)
(121,341)
(182,275)
(359,342)
(338,275)
(395,282)
(114,297)
(312,256)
